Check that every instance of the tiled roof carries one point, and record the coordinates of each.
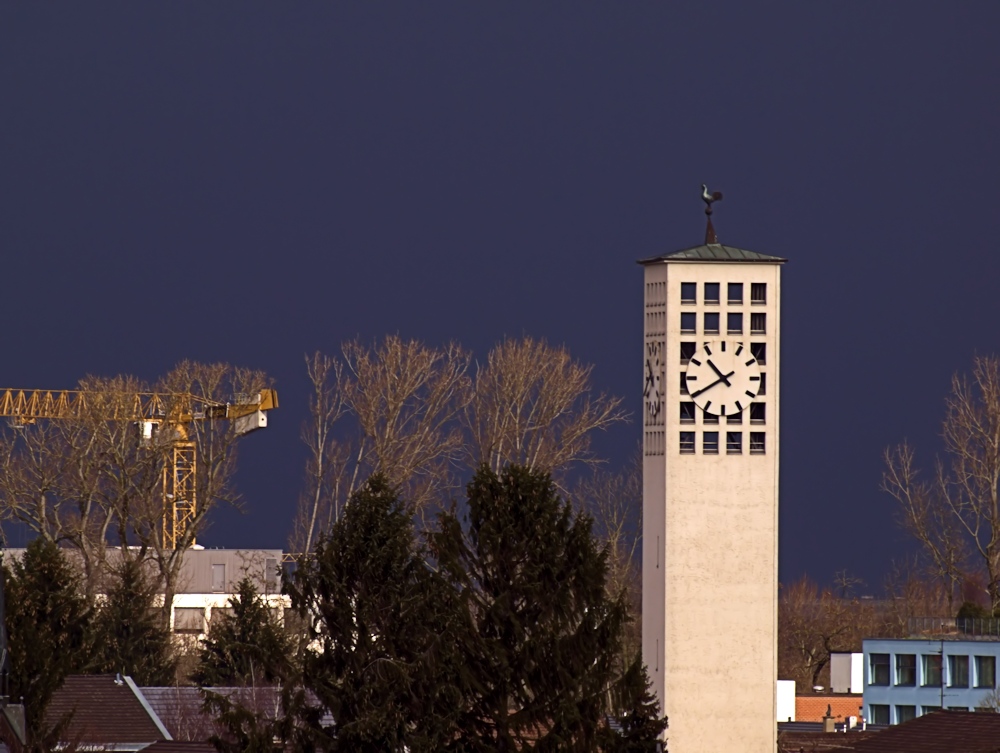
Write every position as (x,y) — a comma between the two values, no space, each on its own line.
(106,711)
(179,746)
(812,708)
(820,742)
(714,252)
(938,732)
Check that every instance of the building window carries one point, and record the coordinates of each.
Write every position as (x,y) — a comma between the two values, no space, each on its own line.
(878,669)
(272,574)
(734,443)
(684,384)
(758,324)
(929,709)
(688,292)
(708,418)
(958,708)
(734,418)
(689,321)
(756,443)
(735,295)
(906,669)
(711,292)
(758,292)
(189,619)
(958,671)
(710,443)
(758,413)
(734,323)
(687,413)
(687,351)
(759,351)
(218,578)
(763,384)
(986,671)
(878,713)
(712,323)
(905,713)
(930,670)
(687,443)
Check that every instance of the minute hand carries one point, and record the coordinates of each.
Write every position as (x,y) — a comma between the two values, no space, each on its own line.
(722,378)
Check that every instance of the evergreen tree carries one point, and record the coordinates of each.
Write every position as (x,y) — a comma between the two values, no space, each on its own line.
(129,636)
(383,628)
(542,634)
(640,725)
(48,624)
(247,647)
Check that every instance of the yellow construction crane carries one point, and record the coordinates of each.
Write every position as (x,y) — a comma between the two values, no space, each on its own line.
(168,415)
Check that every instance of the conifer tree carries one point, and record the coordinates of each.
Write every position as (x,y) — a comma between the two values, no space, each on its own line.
(48,624)
(382,663)
(542,634)
(129,636)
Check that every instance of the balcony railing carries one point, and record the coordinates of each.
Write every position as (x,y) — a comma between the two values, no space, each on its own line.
(945,627)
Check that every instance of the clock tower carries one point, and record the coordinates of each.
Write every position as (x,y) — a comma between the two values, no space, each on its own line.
(711,387)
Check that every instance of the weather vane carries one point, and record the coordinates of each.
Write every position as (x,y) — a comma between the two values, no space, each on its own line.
(710,198)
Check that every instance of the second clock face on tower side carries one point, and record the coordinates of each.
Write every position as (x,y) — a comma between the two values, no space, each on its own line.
(723,377)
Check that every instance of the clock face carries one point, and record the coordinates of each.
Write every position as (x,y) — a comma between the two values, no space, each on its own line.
(723,377)
(652,389)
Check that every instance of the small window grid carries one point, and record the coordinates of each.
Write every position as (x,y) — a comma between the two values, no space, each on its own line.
(711,294)
(689,292)
(734,443)
(687,351)
(905,713)
(986,672)
(958,671)
(734,323)
(710,443)
(930,670)
(906,670)
(708,418)
(687,443)
(689,322)
(735,293)
(758,293)
(684,384)
(758,413)
(879,713)
(734,418)
(759,351)
(757,443)
(687,413)
(758,323)
(711,323)
(763,384)
(878,669)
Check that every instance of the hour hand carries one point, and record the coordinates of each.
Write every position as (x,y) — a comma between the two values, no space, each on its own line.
(722,377)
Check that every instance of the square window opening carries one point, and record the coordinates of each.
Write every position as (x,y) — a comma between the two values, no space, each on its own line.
(958,671)
(689,292)
(687,413)
(758,293)
(930,670)
(759,351)
(758,412)
(905,713)
(756,443)
(687,443)
(710,443)
(687,351)
(711,324)
(986,671)
(734,323)
(906,669)
(878,713)
(878,669)
(711,293)
(708,418)
(758,324)
(734,443)
(689,321)
(684,384)
(735,293)
(734,418)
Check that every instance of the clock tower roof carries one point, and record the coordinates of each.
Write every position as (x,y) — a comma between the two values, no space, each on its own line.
(714,252)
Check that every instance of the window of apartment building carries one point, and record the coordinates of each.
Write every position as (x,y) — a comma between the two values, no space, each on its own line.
(757,413)
(958,708)
(687,443)
(758,324)
(763,384)
(189,619)
(712,323)
(684,383)
(734,443)
(735,293)
(687,413)
(708,418)
(758,292)
(218,614)
(689,292)
(711,292)
(687,351)
(759,351)
(756,443)
(929,709)
(905,713)
(734,323)
(878,669)
(710,443)
(986,671)
(930,670)
(879,713)
(958,671)
(734,418)
(906,669)
(689,321)
(218,578)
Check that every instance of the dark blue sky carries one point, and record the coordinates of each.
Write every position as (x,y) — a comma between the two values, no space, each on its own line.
(253,181)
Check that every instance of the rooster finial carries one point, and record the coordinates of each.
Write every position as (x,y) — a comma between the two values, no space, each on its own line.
(710,197)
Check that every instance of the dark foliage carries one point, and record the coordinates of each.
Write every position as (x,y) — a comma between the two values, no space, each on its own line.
(542,635)
(637,714)
(384,665)
(129,636)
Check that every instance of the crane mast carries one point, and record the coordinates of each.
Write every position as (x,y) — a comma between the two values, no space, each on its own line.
(170,411)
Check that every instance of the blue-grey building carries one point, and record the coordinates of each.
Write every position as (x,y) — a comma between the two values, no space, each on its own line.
(910,677)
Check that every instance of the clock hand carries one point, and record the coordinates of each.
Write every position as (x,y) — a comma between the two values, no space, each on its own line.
(719,373)
(722,378)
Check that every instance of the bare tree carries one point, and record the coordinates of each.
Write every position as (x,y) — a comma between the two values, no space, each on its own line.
(533,405)
(959,511)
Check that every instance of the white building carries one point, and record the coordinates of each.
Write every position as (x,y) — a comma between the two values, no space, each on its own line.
(710,494)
